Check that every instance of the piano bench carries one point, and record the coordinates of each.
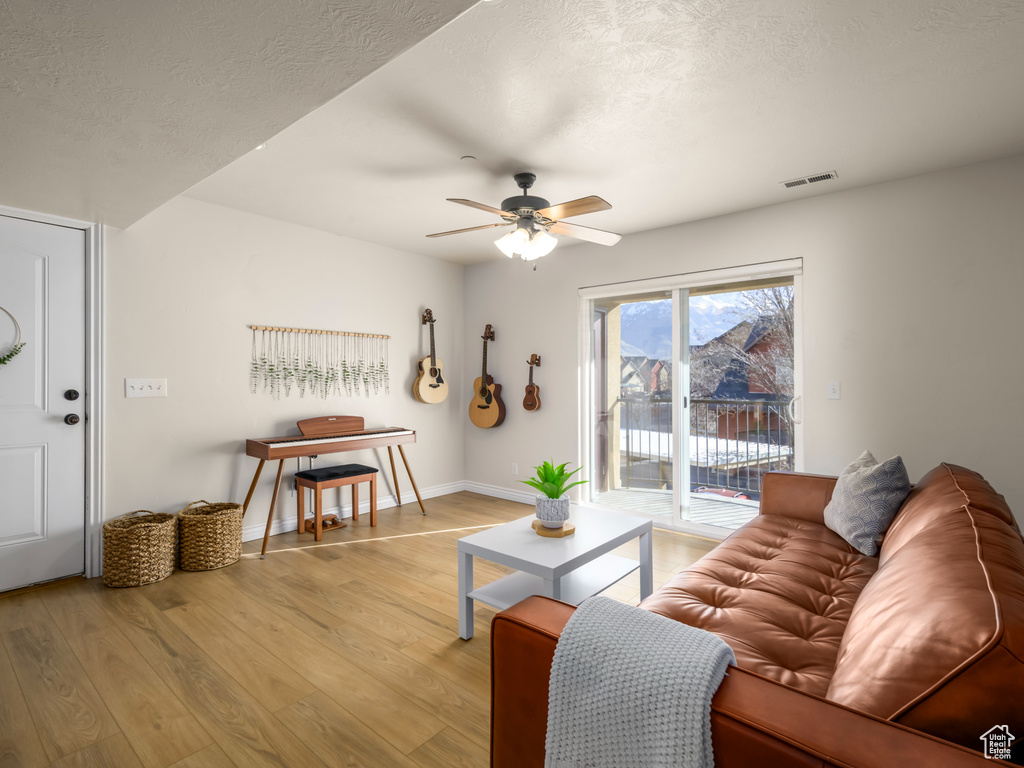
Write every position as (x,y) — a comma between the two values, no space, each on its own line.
(333,477)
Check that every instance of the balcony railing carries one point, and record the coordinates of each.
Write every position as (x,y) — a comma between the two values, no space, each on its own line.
(731,443)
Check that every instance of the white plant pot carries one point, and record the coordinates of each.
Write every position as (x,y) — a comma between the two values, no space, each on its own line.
(552,513)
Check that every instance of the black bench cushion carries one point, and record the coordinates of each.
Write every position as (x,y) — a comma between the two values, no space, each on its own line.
(320,474)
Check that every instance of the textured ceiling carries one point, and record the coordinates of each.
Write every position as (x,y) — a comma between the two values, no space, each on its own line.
(109,108)
(671,111)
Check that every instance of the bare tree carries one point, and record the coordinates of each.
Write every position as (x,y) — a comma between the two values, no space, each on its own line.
(769,358)
(712,360)
(760,345)
(757,353)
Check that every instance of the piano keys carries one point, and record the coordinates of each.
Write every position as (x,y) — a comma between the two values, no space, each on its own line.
(324,435)
(293,447)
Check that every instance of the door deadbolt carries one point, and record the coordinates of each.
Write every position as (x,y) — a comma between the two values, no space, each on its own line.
(72,418)
(71,394)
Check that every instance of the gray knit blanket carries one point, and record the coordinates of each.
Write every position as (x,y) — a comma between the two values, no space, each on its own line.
(632,689)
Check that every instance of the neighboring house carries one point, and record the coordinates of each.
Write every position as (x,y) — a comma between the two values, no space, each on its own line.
(736,367)
(642,376)
(766,346)
(635,375)
(661,377)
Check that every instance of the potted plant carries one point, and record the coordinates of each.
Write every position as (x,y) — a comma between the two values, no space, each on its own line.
(552,501)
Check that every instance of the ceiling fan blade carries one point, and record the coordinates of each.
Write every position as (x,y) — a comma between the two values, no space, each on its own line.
(470,229)
(481,206)
(590,204)
(589,234)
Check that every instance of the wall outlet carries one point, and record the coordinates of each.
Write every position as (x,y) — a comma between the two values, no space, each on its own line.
(515,470)
(145,387)
(834,390)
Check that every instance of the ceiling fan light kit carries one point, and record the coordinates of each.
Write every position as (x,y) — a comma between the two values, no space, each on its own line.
(535,220)
(527,241)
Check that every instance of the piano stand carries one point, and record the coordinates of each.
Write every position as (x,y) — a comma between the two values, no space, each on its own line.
(394,478)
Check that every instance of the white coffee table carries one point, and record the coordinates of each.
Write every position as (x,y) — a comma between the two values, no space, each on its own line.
(571,568)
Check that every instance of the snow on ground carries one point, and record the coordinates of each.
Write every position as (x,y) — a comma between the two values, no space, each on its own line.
(705,451)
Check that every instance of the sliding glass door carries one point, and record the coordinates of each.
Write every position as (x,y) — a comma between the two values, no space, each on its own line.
(690,394)
(632,418)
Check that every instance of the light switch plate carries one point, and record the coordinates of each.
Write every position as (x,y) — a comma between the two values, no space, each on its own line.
(145,387)
(834,390)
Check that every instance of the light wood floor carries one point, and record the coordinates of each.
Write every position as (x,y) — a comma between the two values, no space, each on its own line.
(339,654)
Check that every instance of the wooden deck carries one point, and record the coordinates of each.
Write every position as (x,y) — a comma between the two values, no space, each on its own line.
(723,513)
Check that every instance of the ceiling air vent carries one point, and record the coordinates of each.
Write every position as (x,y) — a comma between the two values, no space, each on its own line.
(809,179)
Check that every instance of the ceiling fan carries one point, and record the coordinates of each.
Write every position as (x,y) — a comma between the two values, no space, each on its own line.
(536,220)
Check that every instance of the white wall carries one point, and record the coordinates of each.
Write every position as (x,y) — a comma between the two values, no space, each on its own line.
(184,284)
(910,296)
(911,299)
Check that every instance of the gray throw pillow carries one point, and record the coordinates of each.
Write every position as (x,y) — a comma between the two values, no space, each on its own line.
(866,498)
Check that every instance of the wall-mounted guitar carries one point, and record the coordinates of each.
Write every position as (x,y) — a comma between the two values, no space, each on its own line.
(486,410)
(430,386)
(532,400)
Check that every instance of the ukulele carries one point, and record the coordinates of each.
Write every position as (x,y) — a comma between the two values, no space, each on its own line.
(532,400)
(486,410)
(430,386)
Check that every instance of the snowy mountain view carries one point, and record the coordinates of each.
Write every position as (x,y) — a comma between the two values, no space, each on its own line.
(647,325)
(647,329)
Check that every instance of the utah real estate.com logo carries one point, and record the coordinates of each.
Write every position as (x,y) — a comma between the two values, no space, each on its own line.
(997,742)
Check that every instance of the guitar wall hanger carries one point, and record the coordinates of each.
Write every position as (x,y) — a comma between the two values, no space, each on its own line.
(532,400)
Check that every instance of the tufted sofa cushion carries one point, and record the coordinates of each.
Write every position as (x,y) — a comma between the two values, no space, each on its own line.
(780,592)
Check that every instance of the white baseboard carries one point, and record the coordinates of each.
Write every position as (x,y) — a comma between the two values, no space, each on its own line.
(285,519)
(509,494)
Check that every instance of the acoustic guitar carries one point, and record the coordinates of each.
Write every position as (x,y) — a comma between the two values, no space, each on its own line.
(486,410)
(532,400)
(430,386)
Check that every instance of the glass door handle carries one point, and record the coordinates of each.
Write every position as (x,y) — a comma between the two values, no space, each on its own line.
(792,410)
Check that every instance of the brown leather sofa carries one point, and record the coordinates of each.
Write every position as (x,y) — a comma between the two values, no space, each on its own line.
(907,658)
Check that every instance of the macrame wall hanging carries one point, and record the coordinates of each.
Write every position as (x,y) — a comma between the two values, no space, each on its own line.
(7,356)
(322,363)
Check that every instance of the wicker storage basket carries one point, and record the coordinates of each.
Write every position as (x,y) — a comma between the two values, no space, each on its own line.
(211,535)
(139,550)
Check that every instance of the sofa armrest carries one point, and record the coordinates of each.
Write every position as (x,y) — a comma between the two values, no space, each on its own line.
(523,640)
(754,721)
(796,494)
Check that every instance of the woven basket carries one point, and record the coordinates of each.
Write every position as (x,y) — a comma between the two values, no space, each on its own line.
(211,535)
(139,550)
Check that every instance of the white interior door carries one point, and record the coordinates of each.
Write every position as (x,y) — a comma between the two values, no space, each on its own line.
(42,430)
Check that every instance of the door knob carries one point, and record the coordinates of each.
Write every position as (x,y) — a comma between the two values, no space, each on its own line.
(71,418)
(71,394)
